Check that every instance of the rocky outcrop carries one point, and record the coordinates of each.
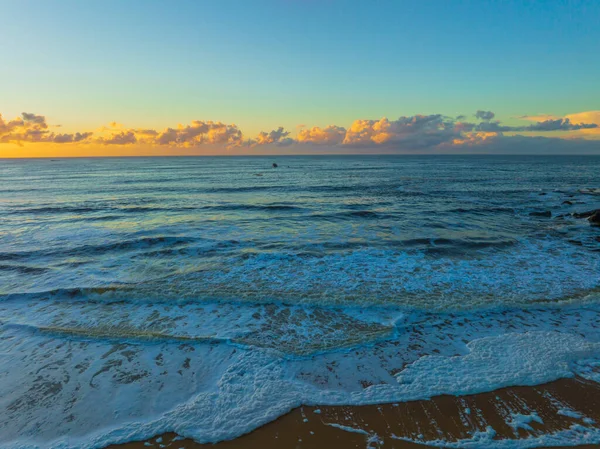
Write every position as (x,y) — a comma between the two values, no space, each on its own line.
(545,213)
(587,214)
(593,216)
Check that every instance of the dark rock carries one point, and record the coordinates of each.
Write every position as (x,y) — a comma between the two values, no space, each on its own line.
(570,203)
(595,219)
(275,165)
(546,213)
(590,191)
(587,214)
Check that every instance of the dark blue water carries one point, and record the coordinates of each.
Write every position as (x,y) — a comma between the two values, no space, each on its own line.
(326,229)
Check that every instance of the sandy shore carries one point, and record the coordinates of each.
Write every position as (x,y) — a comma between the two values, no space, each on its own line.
(449,418)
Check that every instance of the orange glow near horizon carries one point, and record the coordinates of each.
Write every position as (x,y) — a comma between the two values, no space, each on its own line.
(31,136)
(45,150)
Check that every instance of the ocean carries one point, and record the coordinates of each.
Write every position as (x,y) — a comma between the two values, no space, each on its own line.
(208,296)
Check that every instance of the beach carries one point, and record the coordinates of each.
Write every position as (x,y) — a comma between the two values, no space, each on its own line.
(543,410)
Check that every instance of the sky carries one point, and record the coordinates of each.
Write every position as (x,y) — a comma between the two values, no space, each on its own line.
(114,77)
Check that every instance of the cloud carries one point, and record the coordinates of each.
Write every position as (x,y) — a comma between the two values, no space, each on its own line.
(587,123)
(330,135)
(461,126)
(436,132)
(471,139)
(146,132)
(278,135)
(538,117)
(39,120)
(481,143)
(561,124)
(199,133)
(485,115)
(121,138)
(416,133)
(413,132)
(585,117)
(69,138)
(30,127)
(494,127)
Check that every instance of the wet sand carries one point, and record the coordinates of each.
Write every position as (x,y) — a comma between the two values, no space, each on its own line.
(448,418)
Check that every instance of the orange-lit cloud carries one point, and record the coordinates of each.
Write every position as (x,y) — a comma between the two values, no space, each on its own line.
(580,124)
(417,133)
(330,135)
(33,128)
(587,117)
(474,138)
(197,133)
(278,136)
(119,138)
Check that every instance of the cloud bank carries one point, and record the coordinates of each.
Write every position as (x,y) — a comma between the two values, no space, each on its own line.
(33,128)
(410,134)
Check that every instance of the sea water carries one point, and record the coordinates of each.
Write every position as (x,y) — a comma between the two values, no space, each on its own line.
(208,296)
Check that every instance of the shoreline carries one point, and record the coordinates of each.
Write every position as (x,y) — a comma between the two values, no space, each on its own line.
(514,413)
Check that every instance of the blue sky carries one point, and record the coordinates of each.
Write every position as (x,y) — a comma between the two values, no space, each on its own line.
(264,64)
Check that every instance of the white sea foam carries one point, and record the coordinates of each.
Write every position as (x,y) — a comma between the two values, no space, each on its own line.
(522,421)
(574,436)
(118,387)
(348,428)
(570,413)
(534,271)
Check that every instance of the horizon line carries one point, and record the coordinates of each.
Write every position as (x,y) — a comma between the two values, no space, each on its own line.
(58,158)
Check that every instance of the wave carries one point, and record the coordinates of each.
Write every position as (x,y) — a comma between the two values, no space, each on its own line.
(436,273)
(360,214)
(482,210)
(243,189)
(425,245)
(253,207)
(24,269)
(93,218)
(95,209)
(458,246)
(55,209)
(146,209)
(156,180)
(124,245)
